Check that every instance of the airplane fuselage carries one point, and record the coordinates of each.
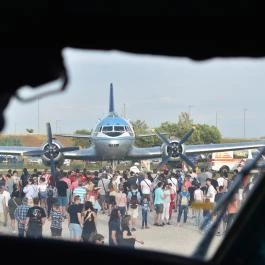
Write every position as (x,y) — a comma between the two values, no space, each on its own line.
(113,137)
(113,148)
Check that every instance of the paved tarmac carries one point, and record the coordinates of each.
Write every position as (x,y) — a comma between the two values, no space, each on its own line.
(169,238)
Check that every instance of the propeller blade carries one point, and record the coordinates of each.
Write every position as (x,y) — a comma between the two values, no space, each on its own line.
(34,153)
(70,148)
(186,136)
(53,169)
(162,137)
(189,162)
(163,162)
(49,133)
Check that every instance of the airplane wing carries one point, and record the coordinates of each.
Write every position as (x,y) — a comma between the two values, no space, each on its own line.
(209,148)
(148,135)
(144,152)
(16,150)
(87,136)
(83,154)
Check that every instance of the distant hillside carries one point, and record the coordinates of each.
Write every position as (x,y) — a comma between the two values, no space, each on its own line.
(35,139)
(39,139)
(235,140)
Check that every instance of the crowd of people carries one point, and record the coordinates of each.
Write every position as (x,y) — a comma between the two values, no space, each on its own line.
(128,198)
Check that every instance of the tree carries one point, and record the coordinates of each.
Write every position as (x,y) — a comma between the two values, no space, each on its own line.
(203,133)
(83,142)
(139,127)
(209,134)
(30,130)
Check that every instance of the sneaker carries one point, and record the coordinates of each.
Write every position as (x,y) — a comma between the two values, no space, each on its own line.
(147,227)
(142,227)
(168,223)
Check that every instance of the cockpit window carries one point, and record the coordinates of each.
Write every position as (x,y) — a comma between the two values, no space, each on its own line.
(113,130)
(107,129)
(119,128)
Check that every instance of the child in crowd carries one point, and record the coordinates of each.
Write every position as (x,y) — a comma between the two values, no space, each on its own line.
(145,208)
(56,220)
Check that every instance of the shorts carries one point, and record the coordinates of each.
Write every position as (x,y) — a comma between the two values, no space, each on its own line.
(56,231)
(12,216)
(62,201)
(133,212)
(159,208)
(75,230)
(43,195)
(112,200)
(102,198)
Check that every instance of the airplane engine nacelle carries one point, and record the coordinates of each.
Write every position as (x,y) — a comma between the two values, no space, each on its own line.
(173,150)
(52,151)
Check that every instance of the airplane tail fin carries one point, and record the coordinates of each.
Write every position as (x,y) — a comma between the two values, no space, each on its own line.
(111,100)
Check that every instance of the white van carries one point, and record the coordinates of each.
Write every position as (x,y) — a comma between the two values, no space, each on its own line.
(230,160)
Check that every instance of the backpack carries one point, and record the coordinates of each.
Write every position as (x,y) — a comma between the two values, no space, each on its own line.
(49,192)
(134,199)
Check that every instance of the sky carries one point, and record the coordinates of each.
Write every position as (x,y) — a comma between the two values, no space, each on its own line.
(227,93)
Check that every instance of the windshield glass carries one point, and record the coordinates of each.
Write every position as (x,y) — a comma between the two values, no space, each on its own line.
(170,95)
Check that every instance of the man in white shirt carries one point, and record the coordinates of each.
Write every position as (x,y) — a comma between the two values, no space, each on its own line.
(174,183)
(211,192)
(146,187)
(5,198)
(134,168)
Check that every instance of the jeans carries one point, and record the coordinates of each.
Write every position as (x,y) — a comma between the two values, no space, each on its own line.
(198,217)
(144,218)
(75,230)
(183,208)
(21,232)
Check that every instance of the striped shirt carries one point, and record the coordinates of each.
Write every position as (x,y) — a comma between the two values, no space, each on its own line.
(80,191)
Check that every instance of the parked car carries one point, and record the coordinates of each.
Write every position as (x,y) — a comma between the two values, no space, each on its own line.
(35,160)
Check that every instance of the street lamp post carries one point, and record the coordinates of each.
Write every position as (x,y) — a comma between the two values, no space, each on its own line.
(216,119)
(38,113)
(245,123)
(190,106)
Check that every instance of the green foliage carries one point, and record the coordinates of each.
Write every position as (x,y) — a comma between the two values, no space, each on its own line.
(209,134)
(30,130)
(10,141)
(203,133)
(84,143)
(139,127)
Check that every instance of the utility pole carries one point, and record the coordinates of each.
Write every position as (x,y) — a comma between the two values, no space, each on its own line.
(245,122)
(38,113)
(216,119)
(190,106)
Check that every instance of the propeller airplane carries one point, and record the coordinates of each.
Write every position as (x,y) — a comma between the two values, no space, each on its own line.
(113,139)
